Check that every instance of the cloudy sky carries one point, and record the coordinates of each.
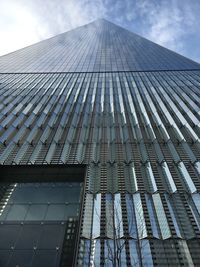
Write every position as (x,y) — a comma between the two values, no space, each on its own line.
(171,23)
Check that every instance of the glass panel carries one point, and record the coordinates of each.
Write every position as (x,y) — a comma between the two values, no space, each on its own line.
(28,236)
(168,177)
(96,216)
(95,253)
(131,216)
(45,258)
(109,253)
(4,257)
(51,236)
(86,253)
(133,177)
(118,216)
(173,216)
(26,193)
(17,212)
(87,221)
(185,253)
(120,252)
(151,180)
(197,166)
(21,258)
(134,257)
(109,216)
(71,210)
(196,199)
(56,212)
(37,203)
(141,226)
(188,181)
(65,193)
(194,211)
(4,212)
(154,227)
(36,212)
(8,234)
(161,217)
(146,253)
(130,175)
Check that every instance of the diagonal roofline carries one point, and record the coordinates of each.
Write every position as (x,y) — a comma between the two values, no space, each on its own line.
(125,51)
(107,21)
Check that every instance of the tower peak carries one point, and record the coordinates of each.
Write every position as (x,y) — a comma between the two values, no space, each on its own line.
(97,46)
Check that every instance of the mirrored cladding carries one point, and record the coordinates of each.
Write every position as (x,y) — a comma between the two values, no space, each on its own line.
(96,47)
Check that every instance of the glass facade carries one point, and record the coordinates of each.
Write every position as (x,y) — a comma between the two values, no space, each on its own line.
(34,221)
(97,46)
(130,111)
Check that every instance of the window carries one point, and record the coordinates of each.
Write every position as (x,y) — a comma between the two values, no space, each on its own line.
(40,214)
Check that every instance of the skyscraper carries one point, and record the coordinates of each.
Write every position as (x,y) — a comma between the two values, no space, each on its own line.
(99,152)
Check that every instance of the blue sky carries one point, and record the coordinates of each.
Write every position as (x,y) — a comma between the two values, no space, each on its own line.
(172,23)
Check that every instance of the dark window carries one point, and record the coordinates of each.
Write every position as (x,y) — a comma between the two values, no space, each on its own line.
(39,218)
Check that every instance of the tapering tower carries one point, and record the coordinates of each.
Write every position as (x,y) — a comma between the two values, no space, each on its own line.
(99,152)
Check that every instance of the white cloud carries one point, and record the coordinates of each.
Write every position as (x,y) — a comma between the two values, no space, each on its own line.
(166,29)
(163,23)
(19,27)
(168,22)
(26,22)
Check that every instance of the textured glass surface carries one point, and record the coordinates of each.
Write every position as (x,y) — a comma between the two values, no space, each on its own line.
(196,199)
(161,217)
(86,253)
(132,226)
(173,216)
(168,177)
(110,229)
(96,216)
(96,252)
(86,232)
(115,253)
(147,260)
(139,216)
(118,221)
(194,211)
(151,212)
(134,257)
(187,179)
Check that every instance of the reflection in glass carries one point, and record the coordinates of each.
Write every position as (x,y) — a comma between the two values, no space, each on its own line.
(34,220)
(118,216)
(161,217)
(96,216)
